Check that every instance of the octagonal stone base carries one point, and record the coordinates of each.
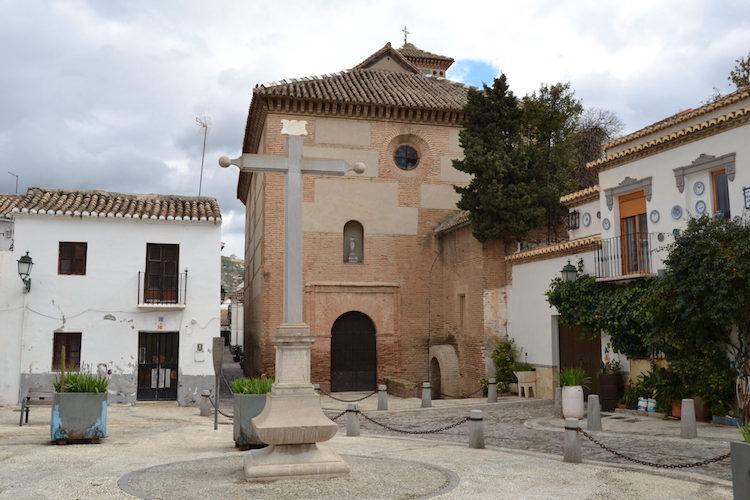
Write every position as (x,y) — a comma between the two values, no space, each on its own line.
(293,461)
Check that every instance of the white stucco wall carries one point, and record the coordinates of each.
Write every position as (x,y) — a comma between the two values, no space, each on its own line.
(102,304)
(665,194)
(531,319)
(595,222)
(11,316)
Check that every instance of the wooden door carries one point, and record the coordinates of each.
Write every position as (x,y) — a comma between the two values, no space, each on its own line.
(158,362)
(162,263)
(579,352)
(353,356)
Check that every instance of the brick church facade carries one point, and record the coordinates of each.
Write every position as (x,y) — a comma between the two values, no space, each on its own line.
(396,288)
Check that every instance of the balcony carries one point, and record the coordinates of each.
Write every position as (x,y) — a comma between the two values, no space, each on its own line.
(156,291)
(626,257)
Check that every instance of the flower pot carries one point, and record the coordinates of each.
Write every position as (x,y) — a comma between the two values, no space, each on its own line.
(677,408)
(247,406)
(79,416)
(740,452)
(528,377)
(572,401)
(611,389)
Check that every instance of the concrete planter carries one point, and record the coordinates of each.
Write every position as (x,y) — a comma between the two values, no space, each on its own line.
(528,377)
(572,401)
(740,468)
(247,406)
(79,416)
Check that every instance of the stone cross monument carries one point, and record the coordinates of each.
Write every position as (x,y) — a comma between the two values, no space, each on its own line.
(292,422)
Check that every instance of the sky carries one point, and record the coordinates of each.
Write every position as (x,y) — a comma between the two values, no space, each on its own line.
(105,94)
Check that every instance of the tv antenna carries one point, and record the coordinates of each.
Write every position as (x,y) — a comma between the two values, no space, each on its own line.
(14,175)
(203,122)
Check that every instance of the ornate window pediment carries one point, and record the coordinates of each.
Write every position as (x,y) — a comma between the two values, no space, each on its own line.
(628,185)
(704,163)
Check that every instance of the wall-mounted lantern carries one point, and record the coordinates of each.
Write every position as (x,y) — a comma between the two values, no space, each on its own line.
(574,217)
(24,269)
(569,272)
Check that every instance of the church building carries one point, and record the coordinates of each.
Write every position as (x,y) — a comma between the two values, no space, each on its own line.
(396,289)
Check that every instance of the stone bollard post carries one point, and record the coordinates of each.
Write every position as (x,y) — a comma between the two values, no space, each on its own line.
(492,391)
(594,415)
(352,420)
(476,430)
(316,388)
(426,395)
(382,397)
(558,402)
(572,448)
(205,404)
(688,427)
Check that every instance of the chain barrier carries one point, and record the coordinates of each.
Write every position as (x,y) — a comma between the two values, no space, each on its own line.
(219,409)
(462,397)
(347,400)
(652,464)
(338,415)
(404,431)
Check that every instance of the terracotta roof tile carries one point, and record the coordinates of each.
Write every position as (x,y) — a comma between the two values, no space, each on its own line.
(579,197)
(566,247)
(409,50)
(109,204)
(682,116)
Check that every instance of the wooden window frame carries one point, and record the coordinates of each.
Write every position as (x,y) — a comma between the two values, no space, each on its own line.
(715,192)
(637,211)
(67,252)
(72,355)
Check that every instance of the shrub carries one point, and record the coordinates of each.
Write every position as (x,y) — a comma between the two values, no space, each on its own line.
(745,430)
(522,366)
(574,376)
(256,385)
(503,356)
(80,382)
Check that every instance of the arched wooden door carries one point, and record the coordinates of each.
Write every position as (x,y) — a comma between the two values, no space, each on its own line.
(353,356)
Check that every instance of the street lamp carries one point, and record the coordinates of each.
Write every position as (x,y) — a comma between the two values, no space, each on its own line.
(569,272)
(24,269)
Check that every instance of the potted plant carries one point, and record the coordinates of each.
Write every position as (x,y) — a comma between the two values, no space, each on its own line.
(611,386)
(572,381)
(79,407)
(249,401)
(740,451)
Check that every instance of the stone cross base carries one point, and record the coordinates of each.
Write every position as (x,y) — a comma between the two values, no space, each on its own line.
(293,419)
(295,461)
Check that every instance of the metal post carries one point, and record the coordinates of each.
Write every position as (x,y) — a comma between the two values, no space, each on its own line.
(426,395)
(688,427)
(218,356)
(382,397)
(572,448)
(594,417)
(492,391)
(352,421)
(205,405)
(476,432)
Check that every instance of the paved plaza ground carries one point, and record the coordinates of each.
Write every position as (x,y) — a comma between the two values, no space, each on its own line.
(160,450)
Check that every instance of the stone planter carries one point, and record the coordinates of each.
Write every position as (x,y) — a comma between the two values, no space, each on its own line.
(247,406)
(528,377)
(79,417)
(740,451)
(572,401)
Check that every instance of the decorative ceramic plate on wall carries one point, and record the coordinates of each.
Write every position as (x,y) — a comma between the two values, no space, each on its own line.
(586,219)
(605,224)
(700,207)
(676,212)
(654,216)
(698,188)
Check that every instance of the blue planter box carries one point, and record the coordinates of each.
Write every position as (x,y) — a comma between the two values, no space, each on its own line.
(724,420)
(79,416)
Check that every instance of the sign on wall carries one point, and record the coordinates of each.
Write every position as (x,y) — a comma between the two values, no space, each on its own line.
(746,192)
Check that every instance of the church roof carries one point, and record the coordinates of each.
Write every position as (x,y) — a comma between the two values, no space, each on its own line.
(409,50)
(389,51)
(108,204)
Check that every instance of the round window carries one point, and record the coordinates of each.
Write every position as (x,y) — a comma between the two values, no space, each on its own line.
(406,157)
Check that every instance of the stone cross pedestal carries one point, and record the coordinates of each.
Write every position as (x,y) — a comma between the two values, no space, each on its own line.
(293,422)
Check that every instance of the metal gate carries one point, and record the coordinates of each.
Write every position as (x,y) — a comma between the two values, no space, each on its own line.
(158,356)
(353,356)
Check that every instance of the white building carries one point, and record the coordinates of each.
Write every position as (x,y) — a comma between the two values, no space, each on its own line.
(651,182)
(127,283)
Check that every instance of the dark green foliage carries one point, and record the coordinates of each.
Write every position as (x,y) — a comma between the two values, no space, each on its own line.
(257,385)
(740,75)
(501,195)
(503,356)
(522,366)
(574,376)
(80,382)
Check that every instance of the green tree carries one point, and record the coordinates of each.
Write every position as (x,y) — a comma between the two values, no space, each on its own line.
(549,125)
(740,75)
(501,197)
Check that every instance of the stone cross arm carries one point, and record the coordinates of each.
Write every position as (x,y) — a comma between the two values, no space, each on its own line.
(280,164)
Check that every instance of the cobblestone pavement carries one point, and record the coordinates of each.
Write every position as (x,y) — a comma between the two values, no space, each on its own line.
(506,426)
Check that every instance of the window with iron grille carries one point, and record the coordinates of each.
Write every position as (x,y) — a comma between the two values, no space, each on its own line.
(71,258)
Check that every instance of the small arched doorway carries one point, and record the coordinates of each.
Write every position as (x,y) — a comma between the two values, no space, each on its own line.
(436,391)
(353,356)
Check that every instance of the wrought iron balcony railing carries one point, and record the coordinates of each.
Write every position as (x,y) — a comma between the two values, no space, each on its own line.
(157,289)
(630,254)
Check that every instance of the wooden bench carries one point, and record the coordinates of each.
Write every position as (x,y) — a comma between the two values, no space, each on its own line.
(35,397)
